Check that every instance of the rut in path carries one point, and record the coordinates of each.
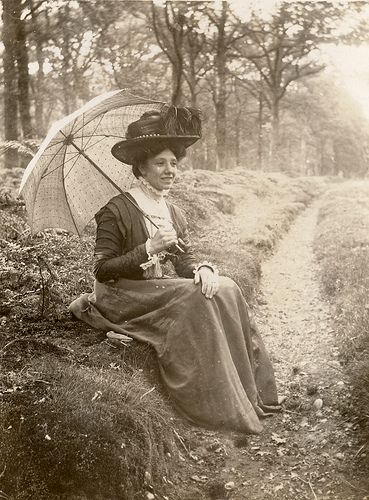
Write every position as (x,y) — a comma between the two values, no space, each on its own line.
(295,321)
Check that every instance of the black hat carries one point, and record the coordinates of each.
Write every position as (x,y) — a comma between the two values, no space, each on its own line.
(172,125)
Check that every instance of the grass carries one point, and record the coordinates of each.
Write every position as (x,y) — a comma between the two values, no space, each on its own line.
(342,247)
(80,419)
(78,432)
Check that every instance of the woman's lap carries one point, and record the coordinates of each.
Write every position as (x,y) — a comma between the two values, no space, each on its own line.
(213,363)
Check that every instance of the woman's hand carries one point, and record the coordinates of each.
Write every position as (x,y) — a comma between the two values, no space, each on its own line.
(163,239)
(209,281)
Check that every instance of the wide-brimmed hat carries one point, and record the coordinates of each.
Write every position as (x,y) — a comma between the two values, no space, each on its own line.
(172,126)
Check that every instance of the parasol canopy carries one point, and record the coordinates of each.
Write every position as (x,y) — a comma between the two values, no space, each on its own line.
(74,174)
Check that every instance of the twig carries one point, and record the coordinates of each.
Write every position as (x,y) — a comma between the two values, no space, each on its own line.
(48,267)
(310,486)
(290,411)
(4,495)
(12,342)
(359,451)
(43,381)
(3,471)
(42,286)
(352,486)
(147,392)
(180,439)
(16,230)
(110,344)
(312,491)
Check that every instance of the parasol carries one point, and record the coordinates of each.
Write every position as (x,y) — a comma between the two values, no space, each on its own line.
(74,174)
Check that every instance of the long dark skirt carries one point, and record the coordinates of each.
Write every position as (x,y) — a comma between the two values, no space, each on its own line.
(212,360)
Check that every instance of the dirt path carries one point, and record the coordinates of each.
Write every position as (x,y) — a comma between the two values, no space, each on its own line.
(294,319)
(308,451)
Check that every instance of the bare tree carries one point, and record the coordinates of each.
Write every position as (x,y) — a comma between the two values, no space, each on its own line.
(224,27)
(16,77)
(282,51)
(169,23)
(11,131)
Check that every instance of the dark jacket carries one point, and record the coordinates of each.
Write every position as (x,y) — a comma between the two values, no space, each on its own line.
(120,241)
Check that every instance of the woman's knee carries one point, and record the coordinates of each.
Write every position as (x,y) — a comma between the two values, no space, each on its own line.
(227,284)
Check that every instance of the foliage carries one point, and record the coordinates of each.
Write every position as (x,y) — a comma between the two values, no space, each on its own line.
(342,247)
(196,53)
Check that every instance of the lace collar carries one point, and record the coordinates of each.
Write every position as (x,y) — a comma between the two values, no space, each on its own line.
(150,191)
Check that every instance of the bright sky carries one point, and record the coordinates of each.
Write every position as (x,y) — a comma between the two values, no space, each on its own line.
(352,68)
(244,7)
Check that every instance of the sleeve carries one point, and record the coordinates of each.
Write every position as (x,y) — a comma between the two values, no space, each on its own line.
(111,262)
(185,262)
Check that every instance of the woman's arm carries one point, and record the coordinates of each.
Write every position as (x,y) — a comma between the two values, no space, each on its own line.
(205,274)
(185,263)
(111,262)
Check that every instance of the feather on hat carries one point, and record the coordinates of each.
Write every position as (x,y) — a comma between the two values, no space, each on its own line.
(171,125)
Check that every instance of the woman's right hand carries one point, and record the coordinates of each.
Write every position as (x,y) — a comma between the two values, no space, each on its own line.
(163,239)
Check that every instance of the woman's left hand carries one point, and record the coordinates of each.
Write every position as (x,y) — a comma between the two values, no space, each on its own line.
(209,281)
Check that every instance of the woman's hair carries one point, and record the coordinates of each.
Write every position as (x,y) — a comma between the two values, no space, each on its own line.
(151,150)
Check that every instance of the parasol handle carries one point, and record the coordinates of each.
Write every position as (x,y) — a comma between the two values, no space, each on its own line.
(70,142)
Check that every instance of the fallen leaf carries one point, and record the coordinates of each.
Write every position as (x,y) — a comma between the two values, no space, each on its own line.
(318,403)
(97,395)
(199,479)
(277,439)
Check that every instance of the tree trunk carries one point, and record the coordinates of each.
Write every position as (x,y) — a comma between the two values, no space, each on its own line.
(66,69)
(237,124)
(23,74)
(260,131)
(10,81)
(303,153)
(177,77)
(192,80)
(221,91)
(221,133)
(39,89)
(192,84)
(274,139)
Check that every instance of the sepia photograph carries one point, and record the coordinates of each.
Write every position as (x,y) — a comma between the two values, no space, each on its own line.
(184,250)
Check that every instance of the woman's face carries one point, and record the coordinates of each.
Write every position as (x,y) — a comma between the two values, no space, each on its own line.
(160,170)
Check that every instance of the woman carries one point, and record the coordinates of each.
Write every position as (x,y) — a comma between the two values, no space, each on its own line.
(213,363)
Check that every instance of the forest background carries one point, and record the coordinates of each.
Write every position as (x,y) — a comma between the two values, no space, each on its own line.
(270,98)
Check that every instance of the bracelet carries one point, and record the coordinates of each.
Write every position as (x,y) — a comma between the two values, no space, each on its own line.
(205,263)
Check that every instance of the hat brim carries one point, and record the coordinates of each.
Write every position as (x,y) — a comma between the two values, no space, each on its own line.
(126,151)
